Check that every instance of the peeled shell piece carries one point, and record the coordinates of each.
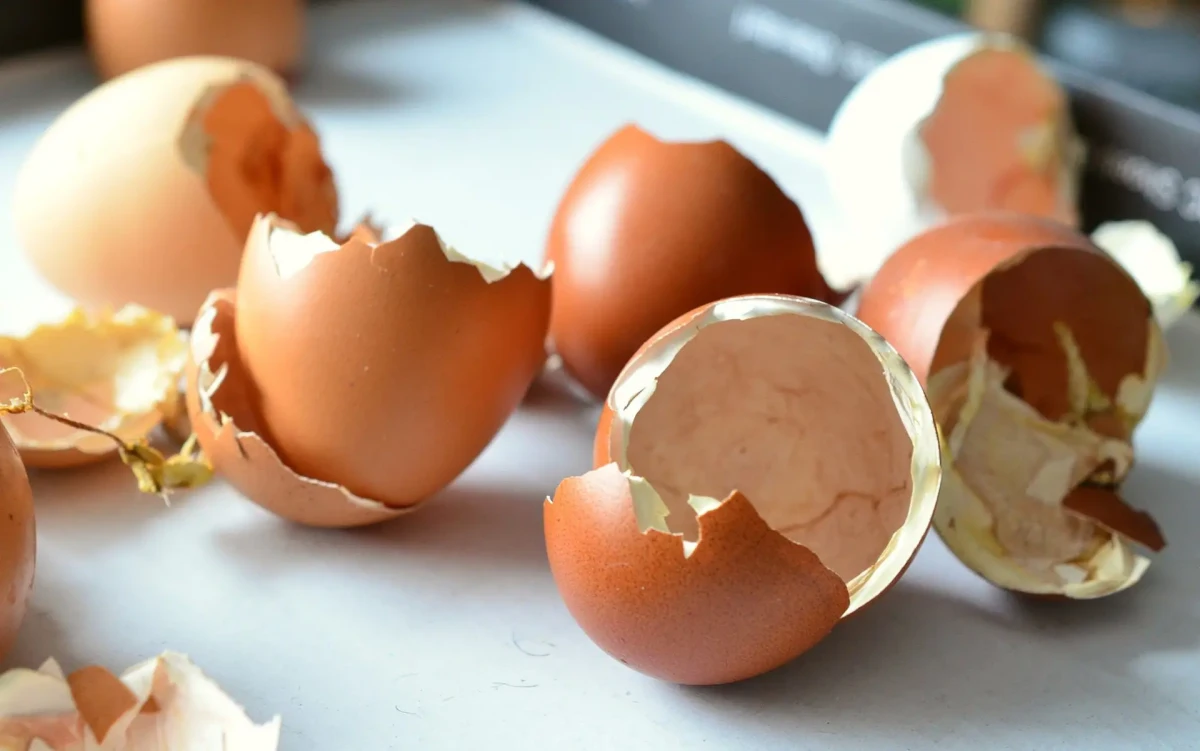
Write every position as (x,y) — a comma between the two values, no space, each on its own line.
(1152,259)
(164,704)
(114,371)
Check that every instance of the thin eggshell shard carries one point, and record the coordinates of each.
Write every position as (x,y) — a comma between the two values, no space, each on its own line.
(648,230)
(221,408)
(114,371)
(1153,260)
(384,367)
(18,542)
(163,704)
(143,190)
(650,512)
(889,155)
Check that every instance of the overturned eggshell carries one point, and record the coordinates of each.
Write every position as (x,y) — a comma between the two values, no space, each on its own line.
(768,466)
(222,410)
(18,542)
(143,190)
(964,123)
(114,371)
(1039,355)
(160,705)
(1153,260)
(648,230)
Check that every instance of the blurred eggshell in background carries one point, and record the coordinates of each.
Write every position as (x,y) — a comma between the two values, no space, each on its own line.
(1039,354)
(118,372)
(386,367)
(648,230)
(18,541)
(127,34)
(768,466)
(964,123)
(1153,260)
(143,190)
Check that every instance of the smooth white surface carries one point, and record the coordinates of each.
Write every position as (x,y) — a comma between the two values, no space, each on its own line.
(444,629)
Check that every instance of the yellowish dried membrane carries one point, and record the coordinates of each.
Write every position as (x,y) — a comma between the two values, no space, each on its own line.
(164,704)
(1154,262)
(118,372)
(1001,510)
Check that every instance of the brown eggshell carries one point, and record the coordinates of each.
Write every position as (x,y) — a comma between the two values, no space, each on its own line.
(143,190)
(18,542)
(649,230)
(224,417)
(741,586)
(385,368)
(1028,272)
(127,34)
(648,606)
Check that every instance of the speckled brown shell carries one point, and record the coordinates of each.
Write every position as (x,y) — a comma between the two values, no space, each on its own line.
(18,542)
(649,230)
(746,601)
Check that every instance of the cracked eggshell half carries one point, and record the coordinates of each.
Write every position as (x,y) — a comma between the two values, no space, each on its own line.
(115,371)
(963,123)
(649,229)
(1039,354)
(361,370)
(767,467)
(164,703)
(143,190)
(18,541)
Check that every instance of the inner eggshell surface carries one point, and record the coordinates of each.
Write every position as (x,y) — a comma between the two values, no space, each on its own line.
(795,413)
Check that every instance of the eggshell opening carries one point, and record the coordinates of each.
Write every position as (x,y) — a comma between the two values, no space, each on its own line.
(675,570)
(222,406)
(18,542)
(164,703)
(1000,138)
(1039,354)
(650,229)
(259,156)
(114,371)
(385,368)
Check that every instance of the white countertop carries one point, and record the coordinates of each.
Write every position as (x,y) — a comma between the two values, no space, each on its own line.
(444,629)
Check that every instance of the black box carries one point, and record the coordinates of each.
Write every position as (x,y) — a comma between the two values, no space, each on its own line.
(801,58)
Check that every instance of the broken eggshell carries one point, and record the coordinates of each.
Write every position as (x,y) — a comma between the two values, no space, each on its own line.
(114,371)
(963,123)
(18,542)
(1153,260)
(162,704)
(1039,354)
(768,466)
(649,229)
(143,190)
(342,384)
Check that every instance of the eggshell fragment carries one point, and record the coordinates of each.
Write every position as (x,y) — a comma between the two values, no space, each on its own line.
(648,230)
(163,704)
(18,542)
(143,190)
(965,123)
(767,466)
(1039,354)
(221,406)
(127,34)
(379,369)
(1153,260)
(113,371)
